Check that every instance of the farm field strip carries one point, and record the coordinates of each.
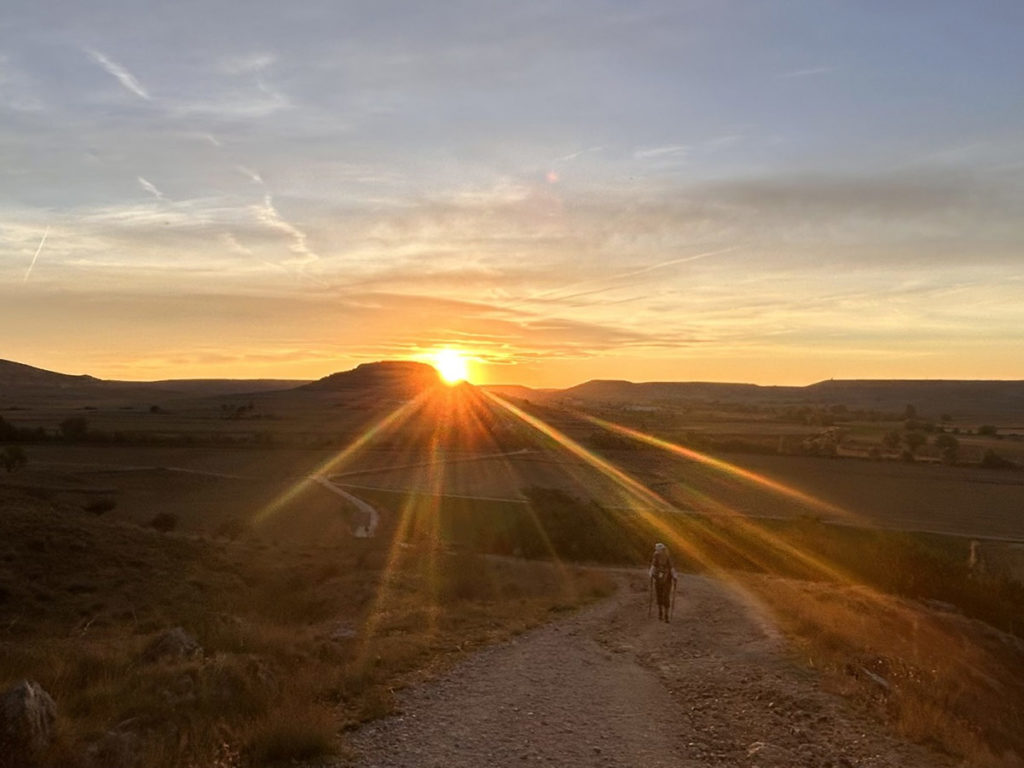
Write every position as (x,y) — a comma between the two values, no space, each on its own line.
(519,500)
(435,462)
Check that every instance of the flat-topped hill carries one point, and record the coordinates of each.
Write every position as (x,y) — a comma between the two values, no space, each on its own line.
(397,376)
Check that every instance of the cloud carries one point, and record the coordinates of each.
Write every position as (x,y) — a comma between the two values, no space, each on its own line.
(151,188)
(649,153)
(246,63)
(250,174)
(269,215)
(122,75)
(574,155)
(35,255)
(259,100)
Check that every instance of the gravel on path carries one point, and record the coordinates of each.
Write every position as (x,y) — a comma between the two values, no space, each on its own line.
(610,687)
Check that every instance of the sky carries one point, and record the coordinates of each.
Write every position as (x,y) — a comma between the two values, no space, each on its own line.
(776,192)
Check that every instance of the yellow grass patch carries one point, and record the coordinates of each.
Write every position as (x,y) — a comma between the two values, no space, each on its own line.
(932,674)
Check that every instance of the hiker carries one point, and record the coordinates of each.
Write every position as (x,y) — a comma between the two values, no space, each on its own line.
(664,576)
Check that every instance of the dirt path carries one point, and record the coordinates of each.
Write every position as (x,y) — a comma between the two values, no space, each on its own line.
(369,517)
(610,687)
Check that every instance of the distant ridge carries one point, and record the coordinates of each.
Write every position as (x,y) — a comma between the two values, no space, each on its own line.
(19,379)
(14,374)
(669,390)
(928,396)
(397,377)
(402,379)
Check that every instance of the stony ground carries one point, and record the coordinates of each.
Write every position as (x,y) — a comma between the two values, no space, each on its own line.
(610,687)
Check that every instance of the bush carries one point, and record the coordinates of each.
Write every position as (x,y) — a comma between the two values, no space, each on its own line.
(13,458)
(948,446)
(99,506)
(74,427)
(164,522)
(992,460)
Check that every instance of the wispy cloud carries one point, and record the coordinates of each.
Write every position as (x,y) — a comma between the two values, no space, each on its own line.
(249,173)
(619,281)
(574,155)
(259,100)
(269,215)
(127,80)
(247,63)
(151,188)
(36,255)
(671,150)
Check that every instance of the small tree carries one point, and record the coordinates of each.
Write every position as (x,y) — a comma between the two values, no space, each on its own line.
(992,460)
(913,441)
(74,427)
(949,447)
(7,430)
(891,441)
(13,458)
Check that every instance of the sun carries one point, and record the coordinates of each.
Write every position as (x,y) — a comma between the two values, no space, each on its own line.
(452,366)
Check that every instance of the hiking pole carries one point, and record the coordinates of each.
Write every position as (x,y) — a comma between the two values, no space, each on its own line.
(675,583)
(650,595)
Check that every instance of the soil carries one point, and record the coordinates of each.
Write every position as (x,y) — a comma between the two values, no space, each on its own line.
(611,687)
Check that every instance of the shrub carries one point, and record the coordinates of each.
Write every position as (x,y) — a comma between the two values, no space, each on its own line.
(99,506)
(913,441)
(13,458)
(74,427)
(992,460)
(164,522)
(948,446)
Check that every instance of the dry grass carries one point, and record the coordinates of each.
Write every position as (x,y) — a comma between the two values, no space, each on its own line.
(299,641)
(934,676)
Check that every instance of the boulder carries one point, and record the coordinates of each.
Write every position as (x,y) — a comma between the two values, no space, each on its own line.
(175,644)
(27,719)
(117,748)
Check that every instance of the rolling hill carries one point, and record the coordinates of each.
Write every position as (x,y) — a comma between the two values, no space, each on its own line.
(20,380)
(931,398)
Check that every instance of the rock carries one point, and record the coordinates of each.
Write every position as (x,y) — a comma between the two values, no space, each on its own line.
(769,754)
(878,680)
(27,718)
(941,606)
(343,630)
(119,748)
(176,644)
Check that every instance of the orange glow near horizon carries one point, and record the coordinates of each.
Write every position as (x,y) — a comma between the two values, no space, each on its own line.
(452,365)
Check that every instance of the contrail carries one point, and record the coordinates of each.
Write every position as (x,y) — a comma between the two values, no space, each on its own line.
(151,188)
(35,256)
(123,76)
(623,275)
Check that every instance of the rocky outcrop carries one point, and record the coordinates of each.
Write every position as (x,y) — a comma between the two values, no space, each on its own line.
(27,719)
